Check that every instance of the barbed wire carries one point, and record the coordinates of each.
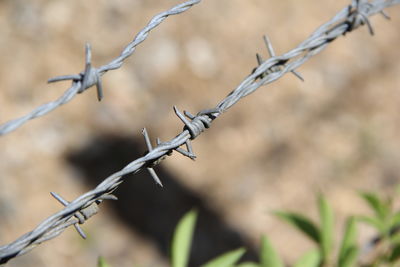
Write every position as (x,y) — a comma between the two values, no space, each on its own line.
(85,206)
(91,75)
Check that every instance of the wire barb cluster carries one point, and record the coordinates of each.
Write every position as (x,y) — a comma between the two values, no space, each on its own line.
(360,9)
(77,212)
(276,67)
(86,79)
(194,127)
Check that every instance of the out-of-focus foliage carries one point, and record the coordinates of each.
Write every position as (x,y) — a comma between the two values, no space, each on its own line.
(384,248)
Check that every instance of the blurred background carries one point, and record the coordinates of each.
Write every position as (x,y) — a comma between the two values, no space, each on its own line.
(336,133)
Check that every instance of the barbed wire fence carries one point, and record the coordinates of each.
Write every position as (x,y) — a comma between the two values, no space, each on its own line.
(85,206)
(92,76)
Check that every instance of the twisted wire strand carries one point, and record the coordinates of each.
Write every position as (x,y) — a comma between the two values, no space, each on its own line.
(91,76)
(345,21)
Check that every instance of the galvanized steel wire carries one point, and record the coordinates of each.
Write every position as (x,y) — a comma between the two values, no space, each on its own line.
(82,208)
(92,76)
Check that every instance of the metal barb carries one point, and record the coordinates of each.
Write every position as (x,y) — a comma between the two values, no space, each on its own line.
(185,153)
(360,17)
(189,148)
(211,112)
(259,59)
(76,225)
(99,87)
(179,150)
(197,124)
(151,171)
(271,53)
(297,74)
(147,139)
(88,67)
(384,14)
(89,77)
(155,176)
(269,46)
(189,115)
(183,119)
(108,197)
(74,77)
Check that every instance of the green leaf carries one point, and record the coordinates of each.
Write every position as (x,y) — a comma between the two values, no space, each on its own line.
(374,222)
(268,255)
(349,258)
(310,259)
(395,236)
(395,221)
(227,259)
(101,262)
(380,208)
(395,255)
(248,264)
(182,240)
(348,241)
(326,217)
(301,223)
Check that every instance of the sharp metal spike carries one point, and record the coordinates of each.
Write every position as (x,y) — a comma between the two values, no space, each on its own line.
(88,53)
(189,115)
(190,149)
(99,87)
(155,176)
(298,75)
(147,139)
(259,59)
(80,231)
(183,119)
(185,153)
(59,198)
(180,115)
(88,66)
(77,215)
(210,111)
(269,46)
(364,19)
(64,78)
(108,197)
(385,15)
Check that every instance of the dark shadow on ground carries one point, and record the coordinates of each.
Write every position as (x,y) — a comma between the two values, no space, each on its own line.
(149,209)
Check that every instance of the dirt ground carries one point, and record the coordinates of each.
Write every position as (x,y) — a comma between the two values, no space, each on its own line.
(336,133)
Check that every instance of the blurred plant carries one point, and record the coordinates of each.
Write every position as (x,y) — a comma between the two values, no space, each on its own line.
(323,237)
(385,247)
(182,240)
(101,262)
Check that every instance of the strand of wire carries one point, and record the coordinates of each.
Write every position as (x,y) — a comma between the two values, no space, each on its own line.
(344,21)
(81,209)
(92,76)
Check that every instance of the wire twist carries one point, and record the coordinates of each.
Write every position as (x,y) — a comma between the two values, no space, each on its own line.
(86,79)
(358,15)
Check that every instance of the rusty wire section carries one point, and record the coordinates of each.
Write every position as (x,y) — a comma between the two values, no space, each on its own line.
(82,208)
(91,75)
